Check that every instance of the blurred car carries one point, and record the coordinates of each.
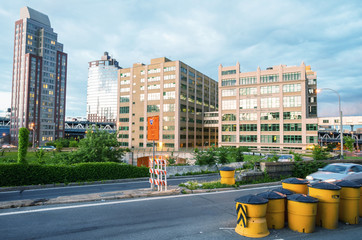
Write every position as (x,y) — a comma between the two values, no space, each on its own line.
(47,148)
(8,146)
(337,171)
(281,158)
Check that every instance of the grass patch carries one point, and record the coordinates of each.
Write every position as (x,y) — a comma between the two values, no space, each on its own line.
(193,185)
(352,158)
(196,173)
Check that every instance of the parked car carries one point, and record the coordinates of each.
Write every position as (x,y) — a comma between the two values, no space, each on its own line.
(281,158)
(337,171)
(47,148)
(8,146)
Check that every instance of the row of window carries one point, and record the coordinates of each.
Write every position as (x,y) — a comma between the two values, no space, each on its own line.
(263,90)
(251,103)
(291,127)
(263,79)
(269,138)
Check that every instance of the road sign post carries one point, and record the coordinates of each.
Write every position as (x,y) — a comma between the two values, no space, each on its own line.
(153,135)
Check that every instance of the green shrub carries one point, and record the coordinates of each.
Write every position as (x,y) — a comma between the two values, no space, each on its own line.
(304,168)
(207,157)
(318,153)
(33,174)
(73,144)
(23,144)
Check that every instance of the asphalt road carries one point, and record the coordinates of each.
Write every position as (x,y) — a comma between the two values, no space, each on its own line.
(191,216)
(88,189)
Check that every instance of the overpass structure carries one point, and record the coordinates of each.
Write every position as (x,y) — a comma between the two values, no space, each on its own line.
(78,129)
(333,122)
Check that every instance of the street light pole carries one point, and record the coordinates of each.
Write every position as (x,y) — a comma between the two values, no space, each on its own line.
(340,115)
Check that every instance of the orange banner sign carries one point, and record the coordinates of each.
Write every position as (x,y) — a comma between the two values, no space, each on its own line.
(153,128)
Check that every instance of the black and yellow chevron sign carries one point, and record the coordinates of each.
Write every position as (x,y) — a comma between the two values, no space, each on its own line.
(241,212)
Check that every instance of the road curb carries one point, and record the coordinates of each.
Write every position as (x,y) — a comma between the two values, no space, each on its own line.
(118,195)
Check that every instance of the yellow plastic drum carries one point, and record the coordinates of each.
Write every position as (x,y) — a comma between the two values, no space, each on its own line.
(227,175)
(275,212)
(302,210)
(328,205)
(359,181)
(349,202)
(297,185)
(287,193)
(251,211)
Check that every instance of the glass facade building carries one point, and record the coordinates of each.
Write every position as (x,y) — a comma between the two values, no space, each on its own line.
(102,90)
(39,79)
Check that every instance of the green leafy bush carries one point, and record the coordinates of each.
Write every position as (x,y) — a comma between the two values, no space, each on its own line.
(23,144)
(304,168)
(73,144)
(33,174)
(207,157)
(318,153)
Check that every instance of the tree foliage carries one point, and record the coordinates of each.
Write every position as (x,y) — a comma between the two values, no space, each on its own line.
(207,157)
(222,153)
(98,146)
(318,153)
(349,142)
(23,144)
(238,154)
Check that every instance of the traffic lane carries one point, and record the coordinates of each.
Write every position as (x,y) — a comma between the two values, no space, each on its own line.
(198,216)
(48,193)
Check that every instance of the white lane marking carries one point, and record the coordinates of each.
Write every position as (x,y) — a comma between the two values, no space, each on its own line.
(127,201)
(96,185)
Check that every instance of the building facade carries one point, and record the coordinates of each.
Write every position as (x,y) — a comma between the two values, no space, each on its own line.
(102,89)
(273,108)
(39,79)
(177,93)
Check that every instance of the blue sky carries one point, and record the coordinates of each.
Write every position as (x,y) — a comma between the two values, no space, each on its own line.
(324,34)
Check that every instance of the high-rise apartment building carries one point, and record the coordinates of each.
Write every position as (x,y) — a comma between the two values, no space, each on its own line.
(273,108)
(102,90)
(39,79)
(175,92)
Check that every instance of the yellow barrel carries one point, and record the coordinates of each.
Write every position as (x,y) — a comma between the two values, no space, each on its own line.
(287,193)
(328,204)
(349,201)
(251,211)
(302,210)
(227,175)
(297,185)
(275,212)
(359,181)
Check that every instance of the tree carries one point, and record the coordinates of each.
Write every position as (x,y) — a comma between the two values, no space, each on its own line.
(318,153)
(40,154)
(238,154)
(23,144)
(349,142)
(222,153)
(207,157)
(98,146)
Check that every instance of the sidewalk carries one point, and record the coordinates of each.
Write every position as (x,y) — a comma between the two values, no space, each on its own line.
(126,194)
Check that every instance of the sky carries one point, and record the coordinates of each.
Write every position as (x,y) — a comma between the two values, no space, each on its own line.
(203,34)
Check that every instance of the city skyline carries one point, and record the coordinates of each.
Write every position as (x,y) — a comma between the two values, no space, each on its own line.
(325,35)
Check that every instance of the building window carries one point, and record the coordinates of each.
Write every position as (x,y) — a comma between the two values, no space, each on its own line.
(228,104)
(124,98)
(169,85)
(153,96)
(123,110)
(292,87)
(248,116)
(228,117)
(294,127)
(123,144)
(269,89)
(168,107)
(168,128)
(248,138)
(142,128)
(247,80)
(228,128)
(228,138)
(312,127)
(124,119)
(269,127)
(292,139)
(153,108)
(155,70)
(248,127)
(292,115)
(168,136)
(184,70)
(269,78)
(313,110)
(168,95)
(312,139)
(247,91)
(312,81)
(125,90)
(123,128)
(269,116)
(248,103)
(140,144)
(155,86)
(168,69)
(269,138)
(292,101)
(168,119)
(291,76)
(171,145)
(228,72)
(123,136)
(228,82)
(228,92)
(142,119)
(141,136)
(269,102)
